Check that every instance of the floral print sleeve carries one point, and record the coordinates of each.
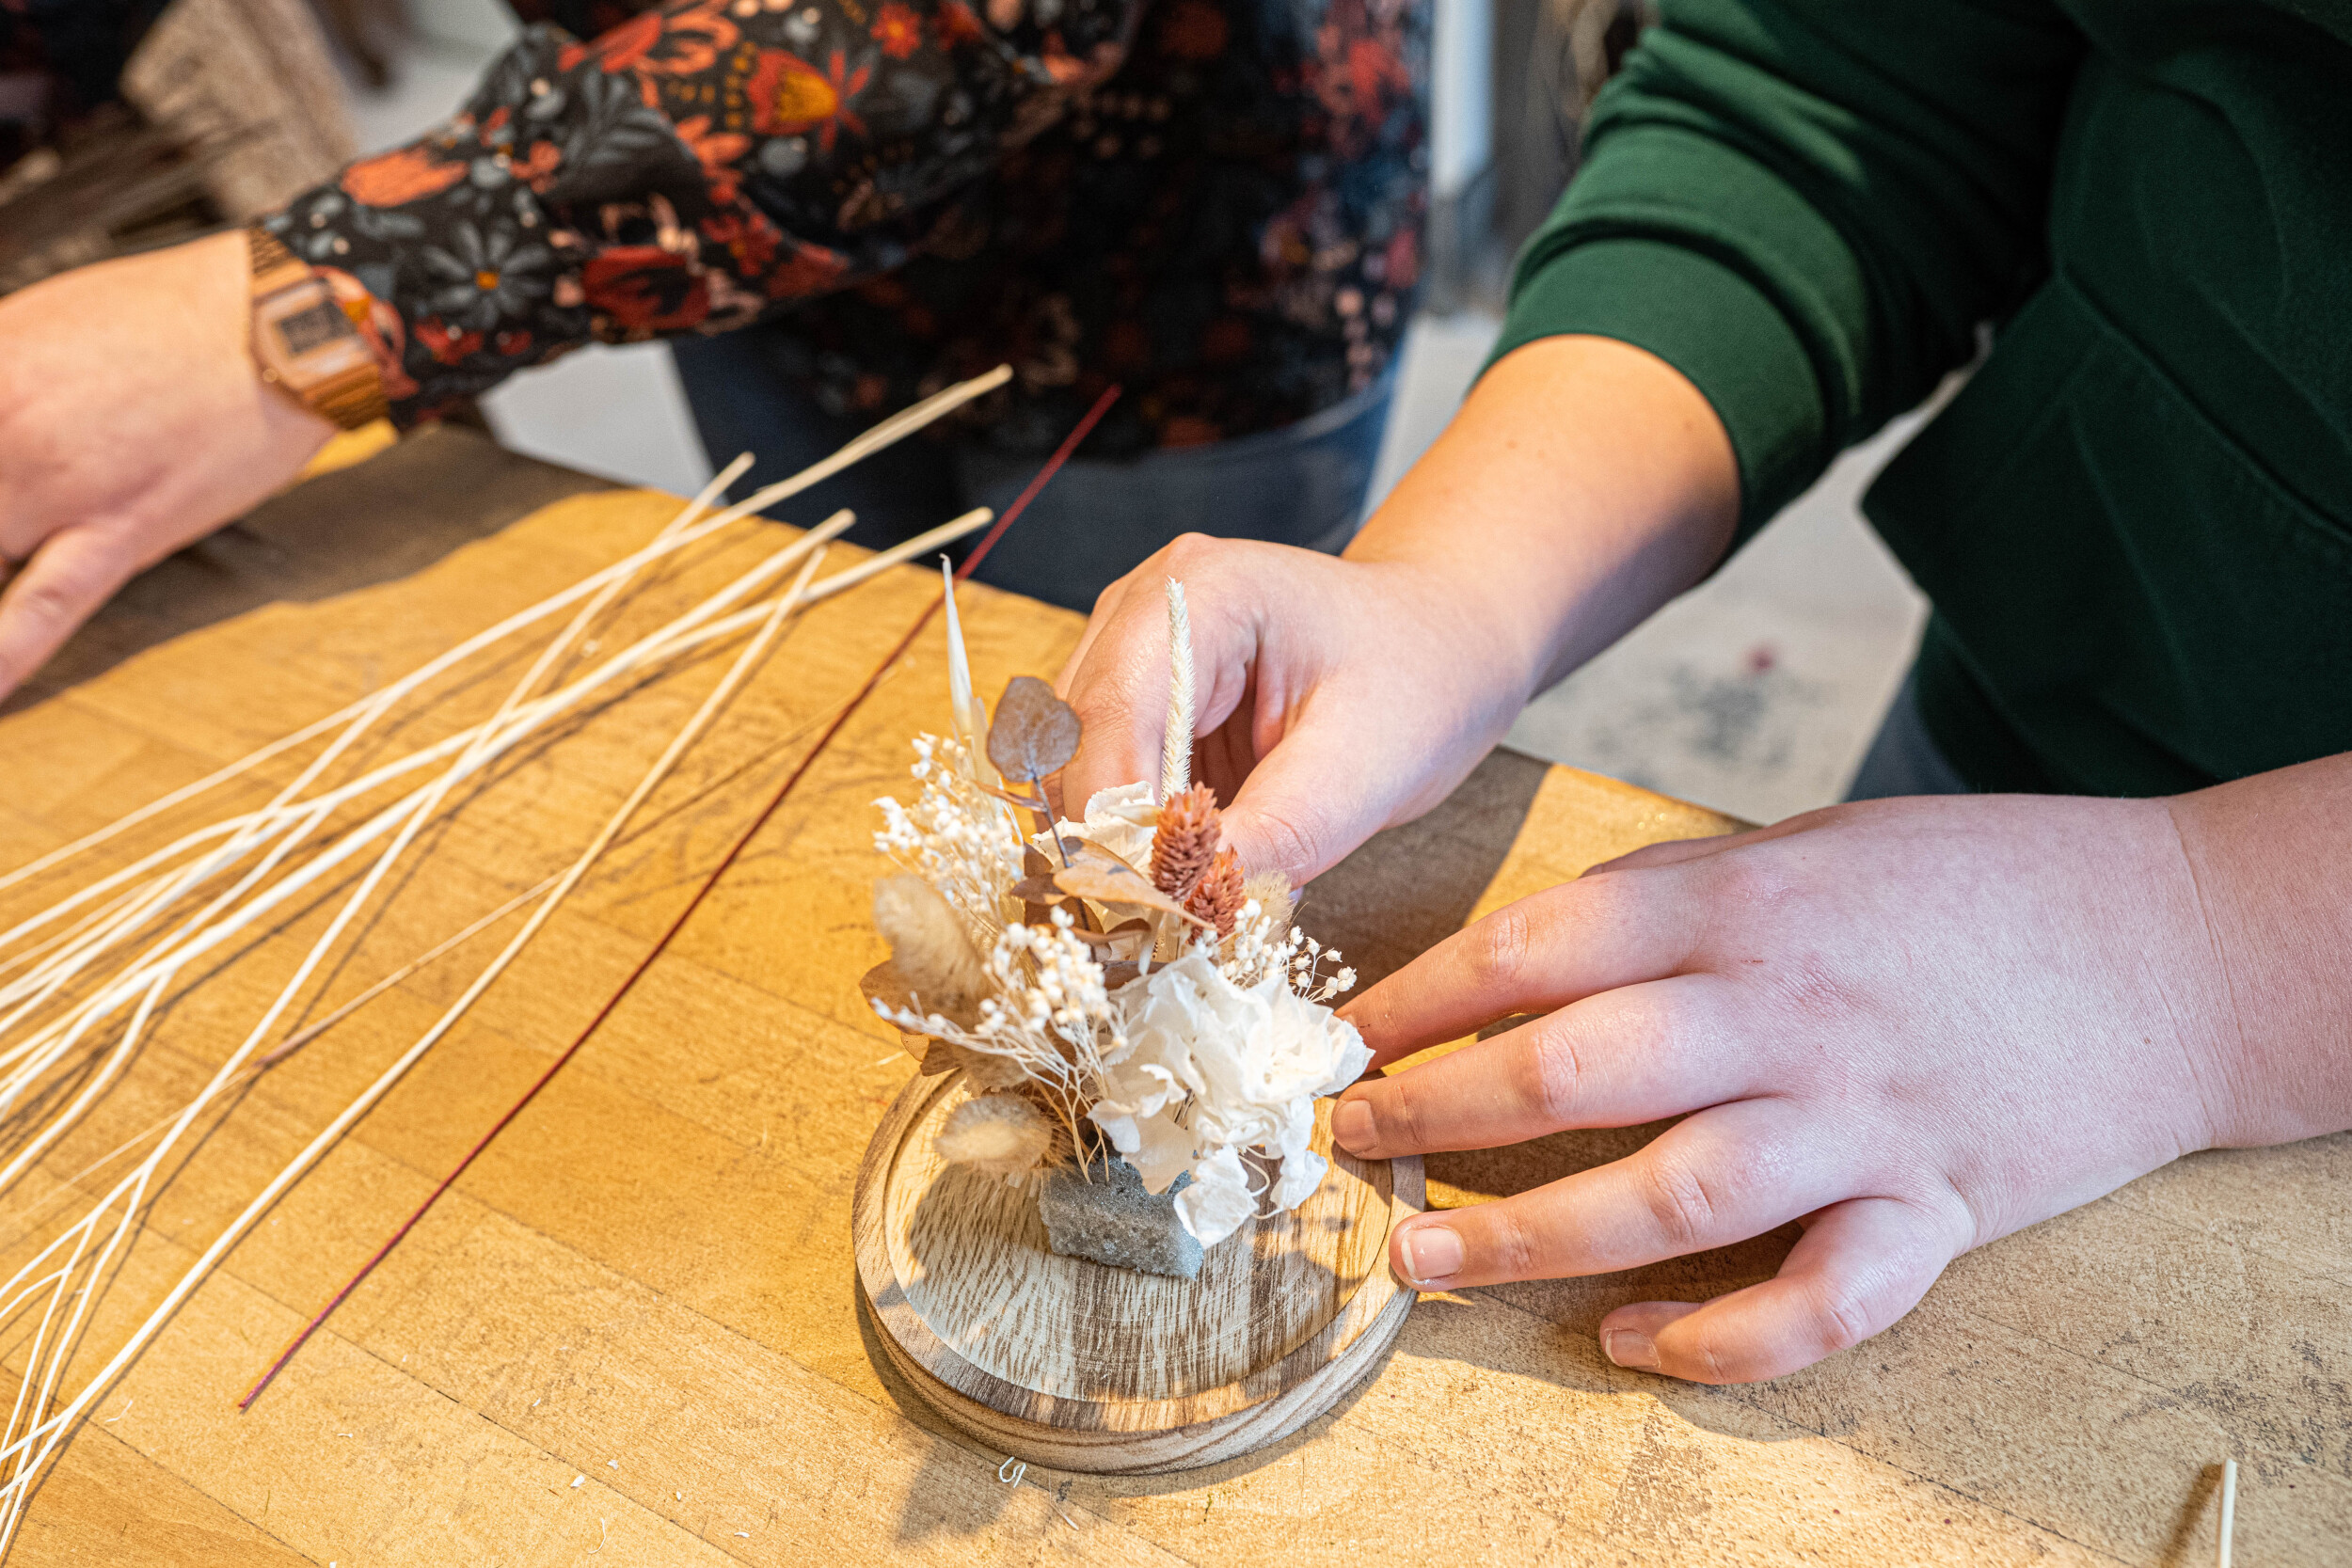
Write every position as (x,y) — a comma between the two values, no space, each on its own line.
(693,168)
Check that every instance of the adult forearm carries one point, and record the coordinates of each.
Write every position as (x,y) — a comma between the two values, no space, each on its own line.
(1584,484)
(686,171)
(2273,870)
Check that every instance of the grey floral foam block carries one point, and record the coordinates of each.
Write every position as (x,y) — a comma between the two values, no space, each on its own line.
(1112,1220)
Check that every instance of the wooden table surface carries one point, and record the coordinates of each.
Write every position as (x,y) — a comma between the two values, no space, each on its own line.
(646,1283)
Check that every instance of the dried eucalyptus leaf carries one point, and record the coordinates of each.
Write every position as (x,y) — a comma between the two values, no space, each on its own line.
(1035,732)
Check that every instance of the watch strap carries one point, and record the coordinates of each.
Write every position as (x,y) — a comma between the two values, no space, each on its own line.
(275,267)
(349,399)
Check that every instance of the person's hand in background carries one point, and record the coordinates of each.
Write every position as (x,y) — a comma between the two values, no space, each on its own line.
(1583,484)
(133,421)
(1911,1026)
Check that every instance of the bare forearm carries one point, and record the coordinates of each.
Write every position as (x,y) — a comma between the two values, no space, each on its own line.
(2273,867)
(1584,484)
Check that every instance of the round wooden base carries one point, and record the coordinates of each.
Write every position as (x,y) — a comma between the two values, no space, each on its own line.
(1084,1366)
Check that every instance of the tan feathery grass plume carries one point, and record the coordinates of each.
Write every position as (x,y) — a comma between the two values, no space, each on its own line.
(1176,740)
(1272,891)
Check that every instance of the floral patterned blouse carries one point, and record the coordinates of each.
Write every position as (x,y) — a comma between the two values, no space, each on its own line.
(1214,202)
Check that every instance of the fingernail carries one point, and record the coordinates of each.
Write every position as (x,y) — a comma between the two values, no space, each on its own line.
(1433,1254)
(1629,1349)
(1352,1126)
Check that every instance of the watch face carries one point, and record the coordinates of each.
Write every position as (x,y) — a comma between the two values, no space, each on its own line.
(303,338)
(306,329)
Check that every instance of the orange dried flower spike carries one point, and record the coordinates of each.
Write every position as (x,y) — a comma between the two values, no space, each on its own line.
(1219,898)
(1186,842)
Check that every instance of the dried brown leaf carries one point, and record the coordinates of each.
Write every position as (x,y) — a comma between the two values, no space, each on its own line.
(1127,934)
(1095,873)
(884,984)
(1035,732)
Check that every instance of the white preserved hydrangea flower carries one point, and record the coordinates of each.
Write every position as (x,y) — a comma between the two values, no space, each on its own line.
(1122,820)
(1208,1069)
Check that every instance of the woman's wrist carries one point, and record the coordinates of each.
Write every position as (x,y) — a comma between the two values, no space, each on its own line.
(1584,484)
(2270,864)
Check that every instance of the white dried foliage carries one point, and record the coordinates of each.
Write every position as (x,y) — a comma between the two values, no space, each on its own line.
(1213,1070)
(996,1135)
(930,944)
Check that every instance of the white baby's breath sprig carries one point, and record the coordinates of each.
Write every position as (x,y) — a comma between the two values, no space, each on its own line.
(955,837)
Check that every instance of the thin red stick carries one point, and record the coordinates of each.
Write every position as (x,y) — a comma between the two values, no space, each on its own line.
(1053,466)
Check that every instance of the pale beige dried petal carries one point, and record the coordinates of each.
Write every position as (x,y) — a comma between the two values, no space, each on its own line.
(986,1070)
(1095,873)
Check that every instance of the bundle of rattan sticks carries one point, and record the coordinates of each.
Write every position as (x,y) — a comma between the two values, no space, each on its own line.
(84,980)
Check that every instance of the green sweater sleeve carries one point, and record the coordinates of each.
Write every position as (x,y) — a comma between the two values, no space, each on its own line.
(1808,207)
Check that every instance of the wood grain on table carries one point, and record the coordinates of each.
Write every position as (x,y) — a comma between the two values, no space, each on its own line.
(647,1283)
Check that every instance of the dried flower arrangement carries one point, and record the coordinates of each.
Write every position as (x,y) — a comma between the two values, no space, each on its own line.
(1143,1028)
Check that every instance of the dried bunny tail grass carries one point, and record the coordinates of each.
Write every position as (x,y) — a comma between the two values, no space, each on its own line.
(1219,897)
(998,1134)
(1186,842)
(929,943)
(1271,890)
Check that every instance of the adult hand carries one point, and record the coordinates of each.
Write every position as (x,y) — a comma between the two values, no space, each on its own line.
(1584,484)
(1911,1026)
(132,421)
(1332,697)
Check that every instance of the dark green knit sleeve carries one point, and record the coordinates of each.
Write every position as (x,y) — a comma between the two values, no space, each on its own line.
(1808,207)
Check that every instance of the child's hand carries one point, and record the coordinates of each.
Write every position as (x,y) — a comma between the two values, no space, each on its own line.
(1912,1026)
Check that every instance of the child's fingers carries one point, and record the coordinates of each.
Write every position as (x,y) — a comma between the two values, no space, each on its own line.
(1720,1176)
(1861,1264)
